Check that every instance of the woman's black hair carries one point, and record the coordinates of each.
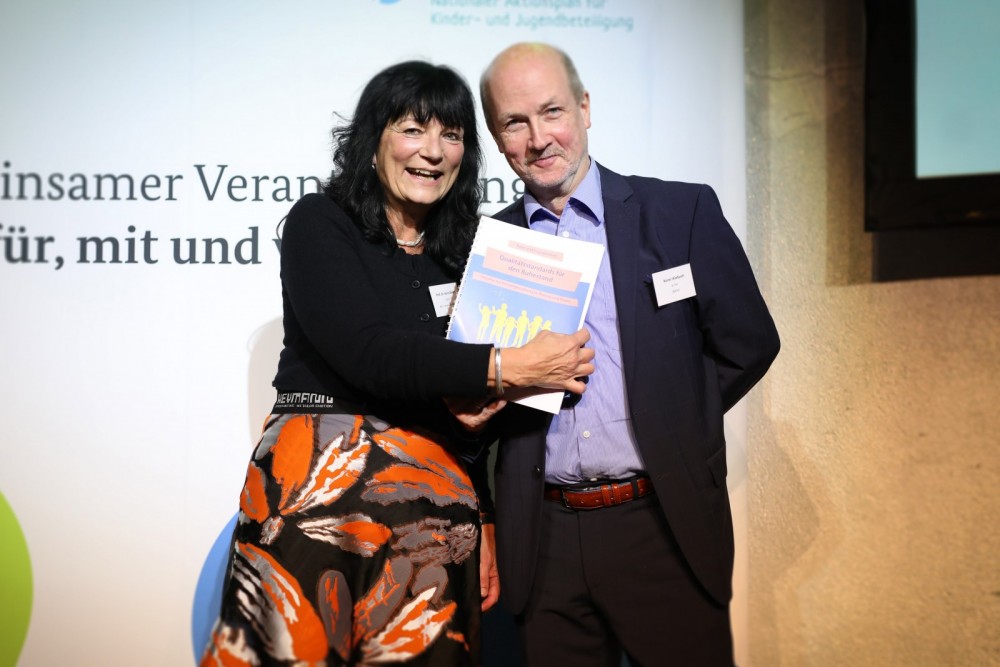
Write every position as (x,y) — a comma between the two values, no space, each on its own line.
(427,92)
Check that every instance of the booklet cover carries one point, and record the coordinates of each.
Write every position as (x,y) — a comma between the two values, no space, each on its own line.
(518,282)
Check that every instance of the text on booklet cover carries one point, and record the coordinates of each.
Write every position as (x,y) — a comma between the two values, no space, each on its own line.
(518,282)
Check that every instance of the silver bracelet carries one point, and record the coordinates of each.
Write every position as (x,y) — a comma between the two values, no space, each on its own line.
(498,374)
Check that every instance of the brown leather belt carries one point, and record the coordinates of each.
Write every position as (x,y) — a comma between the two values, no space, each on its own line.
(603,495)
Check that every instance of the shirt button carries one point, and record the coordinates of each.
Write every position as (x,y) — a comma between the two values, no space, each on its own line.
(565,235)
(586,434)
(415,284)
(425,317)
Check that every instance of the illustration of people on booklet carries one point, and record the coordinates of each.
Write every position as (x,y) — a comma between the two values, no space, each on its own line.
(507,327)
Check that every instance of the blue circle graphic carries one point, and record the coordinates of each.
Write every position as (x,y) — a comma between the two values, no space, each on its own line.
(208,592)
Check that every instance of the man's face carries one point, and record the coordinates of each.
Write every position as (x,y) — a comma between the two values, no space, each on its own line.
(538,124)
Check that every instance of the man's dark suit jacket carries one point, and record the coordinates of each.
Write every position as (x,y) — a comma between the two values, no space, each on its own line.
(686,364)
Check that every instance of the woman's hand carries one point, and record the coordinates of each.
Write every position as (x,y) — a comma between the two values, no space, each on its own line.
(472,413)
(550,361)
(489,577)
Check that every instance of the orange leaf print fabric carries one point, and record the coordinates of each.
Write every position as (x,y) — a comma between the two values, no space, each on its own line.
(417,450)
(307,478)
(277,608)
(373,611)
(355,545)
(410,632)
(253,500)
(335,609)
(436,541)
(292,455)
(401,483)
(335,471)
(228,648)
(356,533)
(427,471)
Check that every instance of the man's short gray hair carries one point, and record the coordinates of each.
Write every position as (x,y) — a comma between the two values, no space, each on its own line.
(575,85)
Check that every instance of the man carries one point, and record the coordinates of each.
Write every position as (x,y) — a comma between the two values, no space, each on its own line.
(613,524)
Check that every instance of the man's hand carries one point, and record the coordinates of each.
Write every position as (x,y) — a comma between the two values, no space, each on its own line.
(489,576)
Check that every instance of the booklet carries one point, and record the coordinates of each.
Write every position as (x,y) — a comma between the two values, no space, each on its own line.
(518,282)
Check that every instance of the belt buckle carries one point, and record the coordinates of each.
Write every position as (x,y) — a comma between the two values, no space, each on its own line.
(565,503)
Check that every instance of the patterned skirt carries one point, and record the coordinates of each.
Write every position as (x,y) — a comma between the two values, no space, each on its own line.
(356,544)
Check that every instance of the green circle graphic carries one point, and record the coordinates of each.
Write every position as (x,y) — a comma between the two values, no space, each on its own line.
(15,586)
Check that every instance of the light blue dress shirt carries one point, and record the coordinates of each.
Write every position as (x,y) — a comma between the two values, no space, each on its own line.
(593,440)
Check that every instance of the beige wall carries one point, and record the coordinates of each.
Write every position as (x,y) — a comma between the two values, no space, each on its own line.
(873,442)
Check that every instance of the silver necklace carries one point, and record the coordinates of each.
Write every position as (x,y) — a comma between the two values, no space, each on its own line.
(410,244)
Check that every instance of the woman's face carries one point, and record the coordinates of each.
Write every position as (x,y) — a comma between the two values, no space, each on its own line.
(417,163)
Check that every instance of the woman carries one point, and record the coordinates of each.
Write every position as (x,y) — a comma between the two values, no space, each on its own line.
(358,531)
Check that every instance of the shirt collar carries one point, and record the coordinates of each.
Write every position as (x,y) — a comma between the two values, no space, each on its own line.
(587,196)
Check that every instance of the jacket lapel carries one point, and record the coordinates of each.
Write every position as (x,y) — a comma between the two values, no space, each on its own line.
(517,216)
(621,220)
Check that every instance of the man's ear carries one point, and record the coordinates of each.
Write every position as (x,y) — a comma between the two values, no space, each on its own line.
(585,109)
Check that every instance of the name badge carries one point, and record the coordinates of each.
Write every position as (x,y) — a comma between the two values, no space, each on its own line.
(673,284)
(442,295)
